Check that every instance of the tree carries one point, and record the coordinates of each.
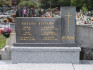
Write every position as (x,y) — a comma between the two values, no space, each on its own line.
(84,8)
(89,4)
(64,2)
(43,3)
(54,3)
(57,3)
(1,3)
(23,3)
(29,3)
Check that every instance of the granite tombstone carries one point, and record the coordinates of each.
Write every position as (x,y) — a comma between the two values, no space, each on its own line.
(55,31)
(46,40)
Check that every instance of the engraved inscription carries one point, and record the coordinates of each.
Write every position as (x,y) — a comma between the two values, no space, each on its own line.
(48,31)
(42,30)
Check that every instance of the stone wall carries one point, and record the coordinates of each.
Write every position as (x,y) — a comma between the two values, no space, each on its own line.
(84,37)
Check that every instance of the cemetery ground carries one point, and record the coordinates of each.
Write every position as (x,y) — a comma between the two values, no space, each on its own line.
(2,41)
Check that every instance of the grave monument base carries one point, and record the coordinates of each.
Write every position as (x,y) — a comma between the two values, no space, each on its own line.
(45,54)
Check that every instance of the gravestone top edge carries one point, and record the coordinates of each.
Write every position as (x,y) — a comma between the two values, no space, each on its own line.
(38,17)
(44,45)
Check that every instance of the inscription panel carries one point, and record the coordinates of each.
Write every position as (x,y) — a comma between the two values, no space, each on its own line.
(38,30)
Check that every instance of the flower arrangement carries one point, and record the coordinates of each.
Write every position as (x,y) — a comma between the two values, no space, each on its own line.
(6,32)
(5,20)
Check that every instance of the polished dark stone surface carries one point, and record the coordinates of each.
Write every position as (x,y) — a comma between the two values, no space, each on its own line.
(68,18)
(43,31)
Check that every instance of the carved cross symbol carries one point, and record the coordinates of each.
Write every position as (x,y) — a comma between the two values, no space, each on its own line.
(68,15)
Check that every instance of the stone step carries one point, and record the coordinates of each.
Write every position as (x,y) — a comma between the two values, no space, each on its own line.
(46,67)
(36,67)
(9,67)
(83,67)
(81,62)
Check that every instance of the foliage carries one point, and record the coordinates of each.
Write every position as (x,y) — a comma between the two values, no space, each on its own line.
(29,3)
(1,3)
(57,3)
(89,4)
(48,3)
(64,2)
(84,8)
(7,2)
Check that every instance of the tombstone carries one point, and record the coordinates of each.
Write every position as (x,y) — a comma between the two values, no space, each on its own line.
(12,25)
(28,13)
(46,40)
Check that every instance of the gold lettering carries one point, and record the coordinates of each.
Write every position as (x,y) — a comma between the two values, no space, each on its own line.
(68,37)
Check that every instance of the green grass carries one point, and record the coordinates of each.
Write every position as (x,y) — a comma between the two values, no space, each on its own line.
(2,41)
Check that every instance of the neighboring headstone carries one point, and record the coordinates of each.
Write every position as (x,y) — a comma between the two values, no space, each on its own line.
(11,40)
(6,51)
(12,25)
(46,40)
(5,54)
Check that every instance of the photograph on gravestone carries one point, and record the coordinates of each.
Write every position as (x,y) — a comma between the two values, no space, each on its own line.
(47,30)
